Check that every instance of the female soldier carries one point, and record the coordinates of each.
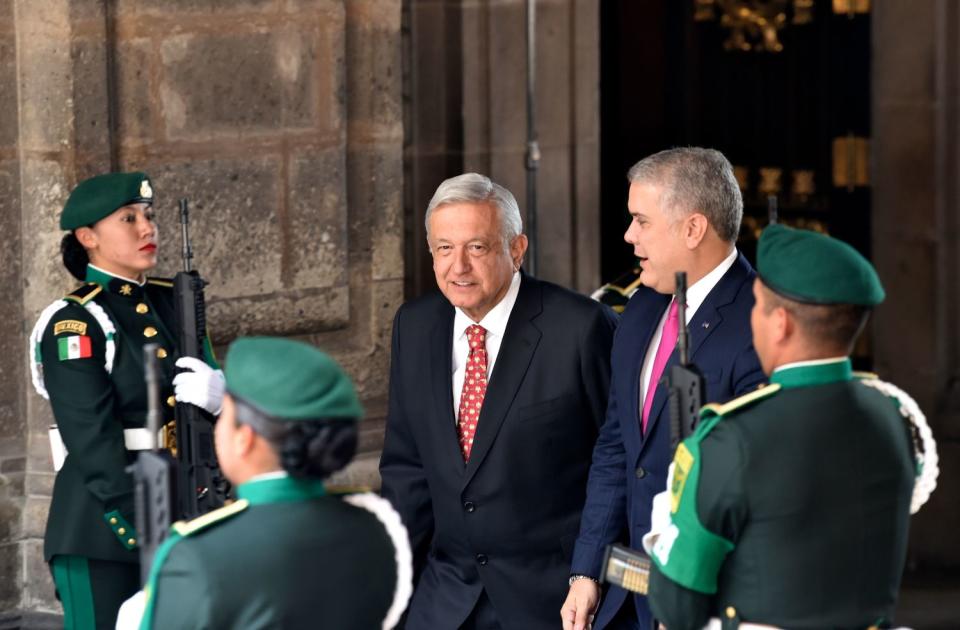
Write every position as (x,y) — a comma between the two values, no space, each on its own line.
(87,359)
(287,554)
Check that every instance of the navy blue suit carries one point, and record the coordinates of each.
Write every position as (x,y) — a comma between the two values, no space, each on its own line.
(629,468)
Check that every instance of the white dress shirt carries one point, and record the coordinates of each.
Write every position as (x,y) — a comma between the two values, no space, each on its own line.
(495,323)
(696,294)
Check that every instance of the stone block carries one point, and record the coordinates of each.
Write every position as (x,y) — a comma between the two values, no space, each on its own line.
(35,510)
(374,72)
(10,519)
(555,226)
(12,445)
(6,15)
(434,76)
(386,296)
(13,464)
(8,95)
(170,8)
(11,564)
(39,482)
(234,227)
(507,91)
(554,75)
(92,134)
(904,173)
(12,485)
(317,219)
(45,186)
(38,591)
(246,83)
(376,221)
(134,88)
(286,313)
(362,471)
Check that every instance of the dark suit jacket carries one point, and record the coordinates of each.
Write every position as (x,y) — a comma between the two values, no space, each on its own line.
(629,468)
(505,522)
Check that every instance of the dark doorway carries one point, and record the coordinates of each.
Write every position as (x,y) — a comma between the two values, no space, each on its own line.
(794,123)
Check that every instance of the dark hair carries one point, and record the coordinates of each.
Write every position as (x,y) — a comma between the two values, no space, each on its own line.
(306,448)
(834,326)
(75,257)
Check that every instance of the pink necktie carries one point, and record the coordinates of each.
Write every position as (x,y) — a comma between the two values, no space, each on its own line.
(671,330)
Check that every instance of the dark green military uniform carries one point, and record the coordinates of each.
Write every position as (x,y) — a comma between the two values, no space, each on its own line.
(790,505)
(618,292)
(808,484)
(286,554)
(87,357)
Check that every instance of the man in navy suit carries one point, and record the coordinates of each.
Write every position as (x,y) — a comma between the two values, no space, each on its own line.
(686,209)
(498,389)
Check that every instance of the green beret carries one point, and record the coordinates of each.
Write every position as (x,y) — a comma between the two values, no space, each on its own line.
(814,268)
(289,380)
(100,196)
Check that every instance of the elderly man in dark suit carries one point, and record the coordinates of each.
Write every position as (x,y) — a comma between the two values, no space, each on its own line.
(686,209)
(498,388)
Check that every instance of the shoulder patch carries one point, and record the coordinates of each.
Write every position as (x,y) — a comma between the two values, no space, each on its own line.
(188,528)
(71,326)
(161,282)
(83,294)
(740,402)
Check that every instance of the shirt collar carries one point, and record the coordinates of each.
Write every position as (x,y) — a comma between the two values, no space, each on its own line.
(817,372)
(495,321)
(279,488)
(103,277)
(698,291)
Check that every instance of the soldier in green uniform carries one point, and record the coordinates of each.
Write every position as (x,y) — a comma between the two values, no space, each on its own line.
(288,553)
(86,357)
(789,507)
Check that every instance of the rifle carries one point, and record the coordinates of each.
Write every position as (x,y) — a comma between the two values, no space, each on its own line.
(629,568)
(154,475)
(201,487)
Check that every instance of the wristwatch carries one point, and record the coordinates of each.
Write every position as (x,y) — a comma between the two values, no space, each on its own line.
(578,576)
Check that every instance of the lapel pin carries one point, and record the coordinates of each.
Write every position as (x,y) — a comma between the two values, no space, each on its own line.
(706,324)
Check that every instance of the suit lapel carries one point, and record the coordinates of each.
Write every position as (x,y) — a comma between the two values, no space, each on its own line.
(441,374)
(520,341)
(704,322)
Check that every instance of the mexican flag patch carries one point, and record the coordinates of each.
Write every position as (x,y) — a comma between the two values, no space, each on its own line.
(74,347)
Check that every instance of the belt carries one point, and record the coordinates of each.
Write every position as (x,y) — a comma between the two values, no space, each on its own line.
(133,440)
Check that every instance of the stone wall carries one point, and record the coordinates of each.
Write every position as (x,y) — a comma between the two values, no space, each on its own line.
(280,120)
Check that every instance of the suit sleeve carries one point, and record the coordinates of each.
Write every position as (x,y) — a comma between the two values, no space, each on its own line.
(401,467)
(722,509)
(81,396)
(747,374)
(183,592)
(595,361)
(604,512)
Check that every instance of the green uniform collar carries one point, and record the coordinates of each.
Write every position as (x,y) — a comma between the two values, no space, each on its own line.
(284,489)
(809,373)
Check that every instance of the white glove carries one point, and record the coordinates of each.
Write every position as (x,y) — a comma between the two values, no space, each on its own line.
(202,387)
(131,612)
(659,515)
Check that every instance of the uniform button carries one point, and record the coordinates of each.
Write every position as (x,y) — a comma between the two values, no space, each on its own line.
(469,506)
(149,331)
(113,520)
(482,559)
(641,473)
(122,531)
(731,612)
(171,401)
(142,308)
(131,541)
(161,353)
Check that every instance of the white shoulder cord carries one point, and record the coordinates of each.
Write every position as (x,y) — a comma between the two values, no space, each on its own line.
(36,336)
(390,519)
(927,461)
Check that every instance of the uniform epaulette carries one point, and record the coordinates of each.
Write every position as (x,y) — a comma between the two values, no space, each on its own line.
(625,285)
(740,402)
(84,293)
(161,282)
(344,490)
(188,528)
(865,376)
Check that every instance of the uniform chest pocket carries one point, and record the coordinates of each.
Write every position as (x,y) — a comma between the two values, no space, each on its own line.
(547,408)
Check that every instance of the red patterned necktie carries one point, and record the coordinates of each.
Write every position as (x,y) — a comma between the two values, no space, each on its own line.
(474,388)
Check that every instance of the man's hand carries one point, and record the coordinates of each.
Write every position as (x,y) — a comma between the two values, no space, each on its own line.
(577,612)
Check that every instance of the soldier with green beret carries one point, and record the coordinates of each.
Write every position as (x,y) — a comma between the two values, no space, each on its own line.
(289,553)
(789,507)
(86,358)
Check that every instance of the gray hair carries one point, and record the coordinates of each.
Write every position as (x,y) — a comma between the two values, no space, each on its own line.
(476,188)
(694,180)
